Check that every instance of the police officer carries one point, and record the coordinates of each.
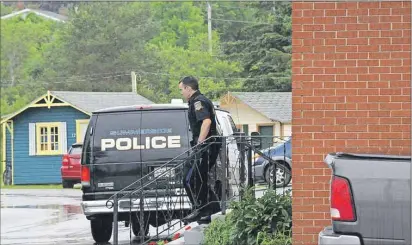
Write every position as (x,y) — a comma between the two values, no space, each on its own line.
(202,122)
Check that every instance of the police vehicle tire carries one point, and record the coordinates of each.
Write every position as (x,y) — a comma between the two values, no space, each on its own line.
(101,230)
(136,228)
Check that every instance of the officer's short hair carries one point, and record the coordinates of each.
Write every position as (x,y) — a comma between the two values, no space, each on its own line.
(191,82)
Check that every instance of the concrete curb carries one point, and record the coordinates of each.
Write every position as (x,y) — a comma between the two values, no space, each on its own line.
(195,235)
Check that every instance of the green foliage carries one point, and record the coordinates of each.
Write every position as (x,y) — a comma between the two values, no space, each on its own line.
(4,10)
(102,42)
(23,45)
(279,238)
(182,49)
(219,232)
(270,213)
(265,220)
(263,47)
(103,48)
(23,42)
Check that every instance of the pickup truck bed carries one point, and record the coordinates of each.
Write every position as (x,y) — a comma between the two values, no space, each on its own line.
(370,200)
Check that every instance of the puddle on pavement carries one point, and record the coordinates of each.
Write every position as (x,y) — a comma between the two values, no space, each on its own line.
(63,212)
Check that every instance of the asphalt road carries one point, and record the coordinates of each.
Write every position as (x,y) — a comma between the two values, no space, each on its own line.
(51,217)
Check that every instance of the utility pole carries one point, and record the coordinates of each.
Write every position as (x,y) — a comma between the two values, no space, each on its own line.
(133,75)
(209,25)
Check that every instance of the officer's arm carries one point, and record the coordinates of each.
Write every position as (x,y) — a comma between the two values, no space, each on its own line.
(202,114)
(204,130)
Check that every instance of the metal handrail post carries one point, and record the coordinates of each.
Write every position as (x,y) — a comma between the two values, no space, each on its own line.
(225,179)
(115,220)
(142,221)
(242,169)
(249,169)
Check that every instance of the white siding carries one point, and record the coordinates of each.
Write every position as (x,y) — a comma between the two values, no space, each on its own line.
(32,139)
(63,139)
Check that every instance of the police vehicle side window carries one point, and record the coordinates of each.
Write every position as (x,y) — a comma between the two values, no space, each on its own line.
(226,125)
(232,123)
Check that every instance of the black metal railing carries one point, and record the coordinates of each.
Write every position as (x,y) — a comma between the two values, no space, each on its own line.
(165,199)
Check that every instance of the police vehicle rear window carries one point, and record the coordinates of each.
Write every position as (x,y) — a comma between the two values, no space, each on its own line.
(139,136)
(115,133)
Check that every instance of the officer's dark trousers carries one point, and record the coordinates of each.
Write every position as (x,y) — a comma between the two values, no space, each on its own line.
(196,180)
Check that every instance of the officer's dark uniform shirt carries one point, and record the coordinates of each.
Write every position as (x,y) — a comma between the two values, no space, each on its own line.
(201,108)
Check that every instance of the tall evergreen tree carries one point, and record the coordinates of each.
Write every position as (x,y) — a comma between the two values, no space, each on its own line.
(263,47)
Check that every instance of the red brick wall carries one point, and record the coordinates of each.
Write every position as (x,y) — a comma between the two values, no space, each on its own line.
(351,92)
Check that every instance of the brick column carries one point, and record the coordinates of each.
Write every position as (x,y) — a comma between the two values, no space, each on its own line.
(351,92)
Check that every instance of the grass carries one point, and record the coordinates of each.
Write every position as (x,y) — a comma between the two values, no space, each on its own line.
(46,186)
(31,186)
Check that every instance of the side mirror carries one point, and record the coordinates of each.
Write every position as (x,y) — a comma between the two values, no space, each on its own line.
(256,141)
(254,134)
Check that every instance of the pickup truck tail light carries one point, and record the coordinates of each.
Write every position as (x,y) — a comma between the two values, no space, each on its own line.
(342,205)
(85,176)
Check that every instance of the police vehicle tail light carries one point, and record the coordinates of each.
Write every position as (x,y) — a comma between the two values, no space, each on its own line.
(85,176)
(342,205)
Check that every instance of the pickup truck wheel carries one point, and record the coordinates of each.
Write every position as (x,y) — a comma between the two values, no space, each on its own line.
(282,177)
(101,230)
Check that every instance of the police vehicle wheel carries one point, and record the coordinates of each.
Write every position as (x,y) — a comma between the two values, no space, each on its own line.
(101,230)
(136,228)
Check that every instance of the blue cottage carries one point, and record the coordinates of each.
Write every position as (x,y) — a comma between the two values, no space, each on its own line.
(36,137)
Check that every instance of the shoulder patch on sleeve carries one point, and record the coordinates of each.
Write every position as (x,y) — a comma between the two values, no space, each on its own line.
(198,105)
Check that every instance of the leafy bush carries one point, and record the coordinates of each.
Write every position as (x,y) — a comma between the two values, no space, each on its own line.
(218,232)
(262,221)
(278,238)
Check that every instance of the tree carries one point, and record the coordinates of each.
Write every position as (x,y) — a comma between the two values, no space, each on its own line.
(4,9)
(101,44)
(263,47)
(23,42)
(182,48)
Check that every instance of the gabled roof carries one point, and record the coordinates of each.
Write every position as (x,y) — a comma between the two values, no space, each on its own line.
(42,13)
(276,106)
(93,101)
(88,102)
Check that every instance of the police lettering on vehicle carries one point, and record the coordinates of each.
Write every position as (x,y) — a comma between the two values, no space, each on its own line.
(156,142)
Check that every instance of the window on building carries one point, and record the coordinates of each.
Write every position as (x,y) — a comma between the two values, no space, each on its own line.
(48,138)
(81,127)
(245,129)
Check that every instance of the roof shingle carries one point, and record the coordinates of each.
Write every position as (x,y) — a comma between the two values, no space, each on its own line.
(93,101)
(276,106)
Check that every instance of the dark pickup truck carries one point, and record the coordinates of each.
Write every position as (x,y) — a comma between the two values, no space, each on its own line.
(370,200)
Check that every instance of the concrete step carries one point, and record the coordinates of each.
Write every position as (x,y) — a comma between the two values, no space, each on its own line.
(180,241)
(195,235)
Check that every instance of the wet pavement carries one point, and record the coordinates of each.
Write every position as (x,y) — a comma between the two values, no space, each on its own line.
(47,217)
(43,217)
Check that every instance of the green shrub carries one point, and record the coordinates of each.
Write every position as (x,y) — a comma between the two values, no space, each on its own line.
(262,221)
(218,232)
(278,238)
